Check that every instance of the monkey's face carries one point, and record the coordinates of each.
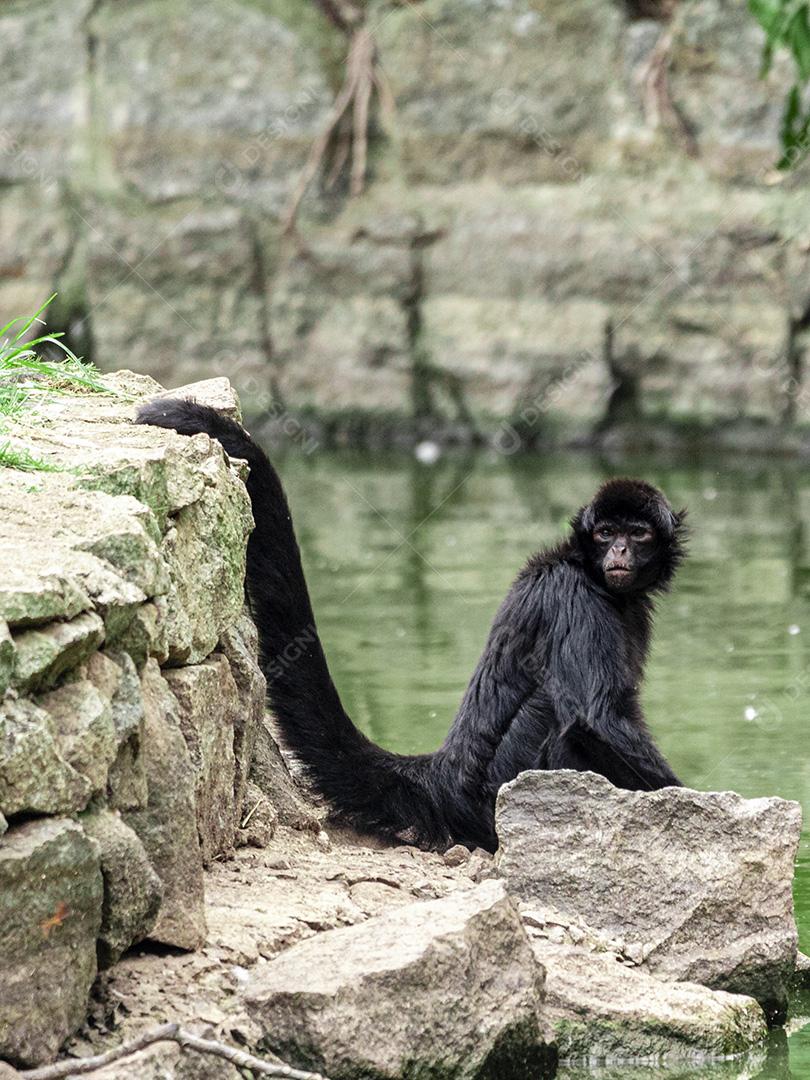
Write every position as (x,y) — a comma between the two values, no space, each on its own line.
(629,538)
(625,553)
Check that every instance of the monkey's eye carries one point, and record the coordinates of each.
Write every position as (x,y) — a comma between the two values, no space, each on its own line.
(604,534)
(642,535)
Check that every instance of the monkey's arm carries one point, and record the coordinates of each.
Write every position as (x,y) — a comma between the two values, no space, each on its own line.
(498,728)
(601,726)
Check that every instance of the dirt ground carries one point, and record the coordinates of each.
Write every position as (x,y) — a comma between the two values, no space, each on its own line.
(259,902)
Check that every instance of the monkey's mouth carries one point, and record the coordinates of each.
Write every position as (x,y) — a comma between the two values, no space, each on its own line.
(618,574)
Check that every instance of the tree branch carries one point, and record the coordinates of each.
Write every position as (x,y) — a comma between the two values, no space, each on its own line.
(345,15)
(341,104)
(348,122)
(660,111)
(168,1033)
(364,61)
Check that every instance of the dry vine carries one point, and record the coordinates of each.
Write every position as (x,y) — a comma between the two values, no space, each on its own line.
(168,1033)
(363,77)
(659,108)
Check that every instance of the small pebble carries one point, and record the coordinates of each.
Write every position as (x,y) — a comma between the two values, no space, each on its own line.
(533,918)
(635,952)
(456,855)
(483,854)
(424,890)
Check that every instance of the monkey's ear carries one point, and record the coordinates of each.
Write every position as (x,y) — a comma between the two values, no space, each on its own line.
(673,528)
(584,520)
(667,521)
(681,527)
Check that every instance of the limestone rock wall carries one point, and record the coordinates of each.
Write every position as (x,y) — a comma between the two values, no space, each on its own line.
(567,198)
(130,696)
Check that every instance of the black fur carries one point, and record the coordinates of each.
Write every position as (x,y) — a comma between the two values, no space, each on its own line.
(556,686)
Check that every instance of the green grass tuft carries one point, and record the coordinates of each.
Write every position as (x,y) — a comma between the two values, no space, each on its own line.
(26,373)
(23,460)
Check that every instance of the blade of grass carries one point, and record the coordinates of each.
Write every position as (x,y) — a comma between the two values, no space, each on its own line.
(23,460)
(29,320)
(56,371)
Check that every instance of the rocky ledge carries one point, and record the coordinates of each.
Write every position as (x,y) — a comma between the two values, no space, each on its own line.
(160,863)
(130,695)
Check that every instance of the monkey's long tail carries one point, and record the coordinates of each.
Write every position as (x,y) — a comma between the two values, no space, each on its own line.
(375,790)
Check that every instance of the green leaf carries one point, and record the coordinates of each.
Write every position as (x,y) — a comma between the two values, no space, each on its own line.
(768,14)
(28,321)
(767,60)
(798,40)
(795,132)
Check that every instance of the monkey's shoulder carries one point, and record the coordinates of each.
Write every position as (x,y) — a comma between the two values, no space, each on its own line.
(548,578)
(552,567)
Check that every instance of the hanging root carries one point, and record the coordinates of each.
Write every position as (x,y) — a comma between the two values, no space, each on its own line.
(363,77)
(660,111)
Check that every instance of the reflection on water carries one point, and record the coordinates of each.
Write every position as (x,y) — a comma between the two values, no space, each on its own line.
(407,565)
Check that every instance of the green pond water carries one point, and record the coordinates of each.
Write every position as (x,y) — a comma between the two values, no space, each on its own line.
(407,564)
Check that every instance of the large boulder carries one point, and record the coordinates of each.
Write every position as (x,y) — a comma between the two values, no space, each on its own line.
(126,778)
(599,1008)
(41,112)
(79,739)
(143,564)
(444,988)
(7,656)
(104,553)
(44,654)
(240,645)
(700,882)
(50,914)
(132,518)
(35,775)
(231,108)
(473,99)
(342,306)
(167,826)
(208,705)
(733,113)
(270,774)
(205,549)
(83,720)
(132,889)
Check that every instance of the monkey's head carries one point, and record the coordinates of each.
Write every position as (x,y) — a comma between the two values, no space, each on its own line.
(630,537)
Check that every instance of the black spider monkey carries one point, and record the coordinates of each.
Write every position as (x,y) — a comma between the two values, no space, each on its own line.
(556,686)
